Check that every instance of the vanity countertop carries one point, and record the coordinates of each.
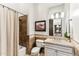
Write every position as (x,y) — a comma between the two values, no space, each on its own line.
(59,42)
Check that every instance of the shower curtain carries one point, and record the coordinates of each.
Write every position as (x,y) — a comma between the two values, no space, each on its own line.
(9,31)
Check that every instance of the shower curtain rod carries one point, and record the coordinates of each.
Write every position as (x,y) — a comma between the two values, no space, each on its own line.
(11,9)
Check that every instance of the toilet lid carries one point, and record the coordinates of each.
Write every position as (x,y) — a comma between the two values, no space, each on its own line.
(35,49)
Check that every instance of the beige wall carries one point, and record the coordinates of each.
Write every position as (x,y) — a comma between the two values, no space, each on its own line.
(46,9)
(74,15)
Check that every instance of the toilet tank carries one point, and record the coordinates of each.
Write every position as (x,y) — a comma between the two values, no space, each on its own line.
(39,43)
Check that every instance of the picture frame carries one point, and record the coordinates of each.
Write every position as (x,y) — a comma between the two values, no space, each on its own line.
(40,25)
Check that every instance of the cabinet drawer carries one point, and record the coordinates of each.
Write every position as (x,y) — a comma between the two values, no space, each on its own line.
(59,53)
(50,52)
(59,47)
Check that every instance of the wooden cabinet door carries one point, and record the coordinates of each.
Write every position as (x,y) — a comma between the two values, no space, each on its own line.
(23,30)
(58,50)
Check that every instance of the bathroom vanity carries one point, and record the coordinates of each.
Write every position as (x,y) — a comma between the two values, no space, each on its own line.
(58,48)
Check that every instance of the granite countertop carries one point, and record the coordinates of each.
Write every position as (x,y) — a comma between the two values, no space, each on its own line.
(56,40)
(59,42)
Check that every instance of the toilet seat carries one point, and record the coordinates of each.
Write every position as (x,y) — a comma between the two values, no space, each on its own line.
(35,51)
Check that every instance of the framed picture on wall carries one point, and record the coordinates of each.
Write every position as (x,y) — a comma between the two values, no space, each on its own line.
(40,25)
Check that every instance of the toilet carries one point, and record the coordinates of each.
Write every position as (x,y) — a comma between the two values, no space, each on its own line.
(39,44)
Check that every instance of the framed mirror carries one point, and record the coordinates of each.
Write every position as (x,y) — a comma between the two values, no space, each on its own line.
(57,27)
(57,23)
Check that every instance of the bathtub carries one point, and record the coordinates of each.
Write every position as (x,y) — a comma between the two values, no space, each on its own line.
(21,51)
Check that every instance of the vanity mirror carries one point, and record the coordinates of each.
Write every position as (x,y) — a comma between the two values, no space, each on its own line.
(57,27)
(59,22)
(55,24)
